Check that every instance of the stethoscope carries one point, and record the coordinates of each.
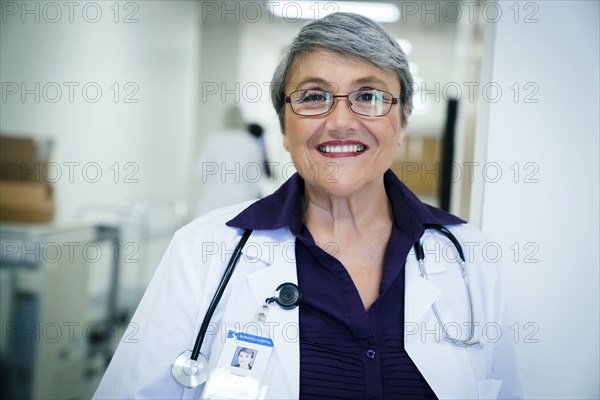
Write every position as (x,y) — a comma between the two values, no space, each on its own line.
(420,253)
(190,368)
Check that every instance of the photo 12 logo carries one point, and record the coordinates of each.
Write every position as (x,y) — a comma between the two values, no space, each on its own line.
(69,171)
(471,11)
(490,92)
(21,252)
(69,92)
(53,12)
(256,11)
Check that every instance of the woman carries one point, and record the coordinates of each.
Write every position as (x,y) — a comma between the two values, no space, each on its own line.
(343,229)
(244,358)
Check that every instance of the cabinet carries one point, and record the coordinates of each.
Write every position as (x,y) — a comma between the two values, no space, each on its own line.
(56,287)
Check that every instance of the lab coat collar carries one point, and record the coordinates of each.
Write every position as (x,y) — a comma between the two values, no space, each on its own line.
(281,209)
(420,293)
(274,247)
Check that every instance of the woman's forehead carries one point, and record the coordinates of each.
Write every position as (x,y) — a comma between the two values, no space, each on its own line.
(335,70)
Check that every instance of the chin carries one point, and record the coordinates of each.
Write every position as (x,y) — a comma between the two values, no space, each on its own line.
(340,185)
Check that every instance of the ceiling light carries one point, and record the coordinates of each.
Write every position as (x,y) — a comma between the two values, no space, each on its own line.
(295,10)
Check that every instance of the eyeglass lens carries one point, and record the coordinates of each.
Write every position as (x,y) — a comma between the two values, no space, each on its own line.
(364,102)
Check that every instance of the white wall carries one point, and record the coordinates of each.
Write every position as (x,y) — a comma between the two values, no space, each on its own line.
(554,217)
(157,54)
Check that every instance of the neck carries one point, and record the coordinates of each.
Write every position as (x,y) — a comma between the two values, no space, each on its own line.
(338,215)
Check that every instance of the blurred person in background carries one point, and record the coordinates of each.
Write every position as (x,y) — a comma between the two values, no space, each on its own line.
(258,132)
(230,165)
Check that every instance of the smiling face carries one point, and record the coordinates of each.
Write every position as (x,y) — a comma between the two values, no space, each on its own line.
(244,359)
(341,152)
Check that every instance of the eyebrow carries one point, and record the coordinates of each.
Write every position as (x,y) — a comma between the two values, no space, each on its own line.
(364,80)
(312,79)
(372,79)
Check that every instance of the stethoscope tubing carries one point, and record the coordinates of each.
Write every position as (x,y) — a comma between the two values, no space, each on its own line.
(450,236)
(420,253)
(219,293)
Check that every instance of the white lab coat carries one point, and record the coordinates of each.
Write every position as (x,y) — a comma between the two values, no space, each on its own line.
(170,313)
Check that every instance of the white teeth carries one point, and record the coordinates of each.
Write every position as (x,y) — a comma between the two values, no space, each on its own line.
(352,148)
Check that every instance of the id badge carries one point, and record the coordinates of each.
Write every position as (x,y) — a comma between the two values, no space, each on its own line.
(242,369)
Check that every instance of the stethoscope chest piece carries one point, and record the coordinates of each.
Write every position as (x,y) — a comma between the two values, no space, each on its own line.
(190,373)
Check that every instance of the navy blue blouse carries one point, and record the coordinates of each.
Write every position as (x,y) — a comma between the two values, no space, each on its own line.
(345,351)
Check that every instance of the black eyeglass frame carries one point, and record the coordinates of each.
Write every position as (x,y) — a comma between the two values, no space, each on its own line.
(288,99)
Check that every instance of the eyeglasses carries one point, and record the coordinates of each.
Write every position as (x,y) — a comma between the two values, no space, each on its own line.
(367,102)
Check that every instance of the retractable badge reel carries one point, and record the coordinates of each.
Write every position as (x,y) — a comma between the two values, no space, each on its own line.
(287,296)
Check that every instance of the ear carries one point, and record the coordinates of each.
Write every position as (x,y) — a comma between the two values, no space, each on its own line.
(401,134)
(407,111)
(403,124)
(286,141)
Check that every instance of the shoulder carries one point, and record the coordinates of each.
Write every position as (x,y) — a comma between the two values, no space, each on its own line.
(212,226)
(483,256)
(218,216)
(468,237)
(474,243)
(467,233)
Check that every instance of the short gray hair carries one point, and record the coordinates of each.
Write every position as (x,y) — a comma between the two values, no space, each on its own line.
(349,35)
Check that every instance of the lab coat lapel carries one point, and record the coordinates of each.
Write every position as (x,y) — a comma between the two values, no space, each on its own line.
(277,250)
(420,293)
(446,367)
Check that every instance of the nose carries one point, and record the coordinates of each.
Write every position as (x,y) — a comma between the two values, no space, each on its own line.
(341,117)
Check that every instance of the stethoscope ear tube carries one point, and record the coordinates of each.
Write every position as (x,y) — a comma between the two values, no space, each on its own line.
(450,236)
(219,293)
(420,254)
